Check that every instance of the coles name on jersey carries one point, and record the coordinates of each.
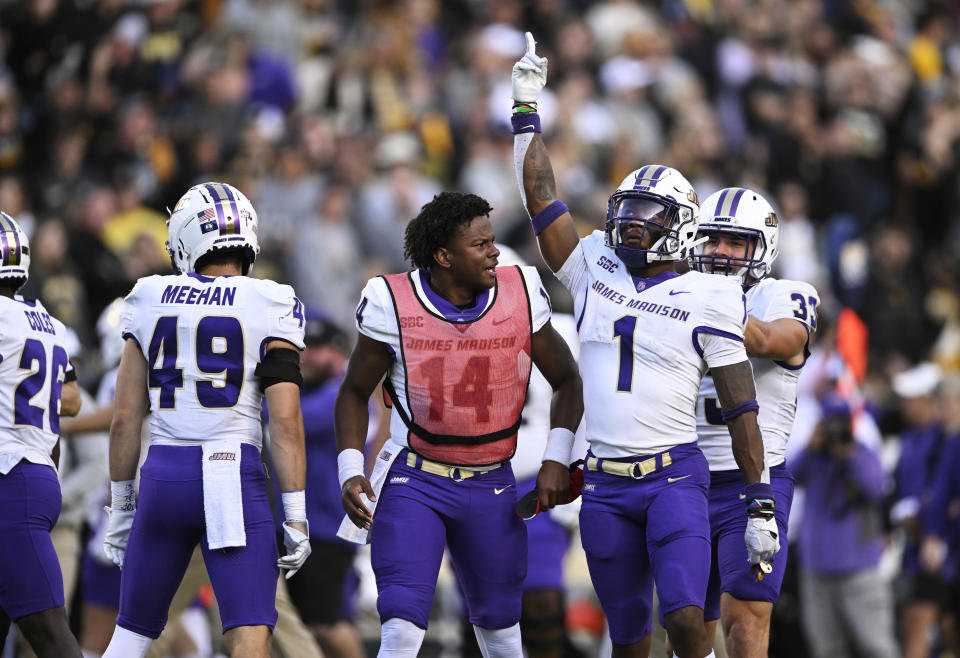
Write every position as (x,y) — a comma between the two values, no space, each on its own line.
(644,346)
(33,367)
(202,338)
(768,300)
(457,373)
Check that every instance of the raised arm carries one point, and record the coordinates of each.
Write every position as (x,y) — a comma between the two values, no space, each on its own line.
(552,223)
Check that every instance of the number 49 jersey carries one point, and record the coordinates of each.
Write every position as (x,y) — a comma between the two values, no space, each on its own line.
(202,338)
(33,367)
(776,381)
(645,344)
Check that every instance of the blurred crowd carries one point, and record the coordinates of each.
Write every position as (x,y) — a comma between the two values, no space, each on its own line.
(339,119)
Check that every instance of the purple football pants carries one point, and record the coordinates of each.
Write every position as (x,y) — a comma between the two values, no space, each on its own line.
(730,571)
(169,523)
(547,543)
(640,532)
(30,578)
(418,514)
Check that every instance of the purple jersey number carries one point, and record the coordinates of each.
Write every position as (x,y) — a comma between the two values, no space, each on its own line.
(33,357)
(220,357)
(624,329)
(168,377)
(219,351)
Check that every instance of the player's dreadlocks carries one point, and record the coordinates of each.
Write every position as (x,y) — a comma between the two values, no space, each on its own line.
(438,222)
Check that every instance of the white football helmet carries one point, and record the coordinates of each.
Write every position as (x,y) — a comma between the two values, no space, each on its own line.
(108,330)
(744,212)
(14,251)
(661,201)
(208,217)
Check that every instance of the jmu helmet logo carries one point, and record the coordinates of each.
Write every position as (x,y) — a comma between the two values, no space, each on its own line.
(771,220)
(692,196)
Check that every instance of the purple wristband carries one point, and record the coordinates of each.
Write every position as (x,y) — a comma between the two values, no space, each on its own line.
(547,216)
(525,122)
(758,490)
(739,410)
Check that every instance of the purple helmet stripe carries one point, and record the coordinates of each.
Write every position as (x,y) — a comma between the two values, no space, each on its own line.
(658,173)
(5,248)
(736,202)
(641,176)
(718,211)
(235,225)
(14,254)
(11,254)
(216,199)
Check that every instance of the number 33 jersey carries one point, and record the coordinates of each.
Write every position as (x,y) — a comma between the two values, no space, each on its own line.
(33,368)
(645,344)
(768,300)
(202,338)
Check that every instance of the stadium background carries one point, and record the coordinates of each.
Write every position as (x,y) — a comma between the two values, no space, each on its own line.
(340,119)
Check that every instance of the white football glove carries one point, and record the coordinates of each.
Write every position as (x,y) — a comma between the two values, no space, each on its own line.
(762,538)
(118,532)
(529,74)
(298,550)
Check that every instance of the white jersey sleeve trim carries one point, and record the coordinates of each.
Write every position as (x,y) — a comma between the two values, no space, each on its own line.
(573,273)
(376,316)
(718,348)
(540,307)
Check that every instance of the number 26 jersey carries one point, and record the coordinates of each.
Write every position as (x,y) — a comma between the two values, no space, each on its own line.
(33,368)
(202,338)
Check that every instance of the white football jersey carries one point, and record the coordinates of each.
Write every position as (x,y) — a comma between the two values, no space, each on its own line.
(535,425)
(776,382)
(644,347)
(33,367)
(376,318)
(203,338)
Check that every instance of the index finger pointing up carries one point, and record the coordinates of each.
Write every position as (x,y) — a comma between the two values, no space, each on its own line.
(531,44)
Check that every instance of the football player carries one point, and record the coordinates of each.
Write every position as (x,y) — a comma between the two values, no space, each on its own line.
(741,229)
(647,336)
(38,387)
(455,339)
(202,348)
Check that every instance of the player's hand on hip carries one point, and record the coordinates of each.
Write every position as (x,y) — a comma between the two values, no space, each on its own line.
(355,491)
(529,74)
(118,532)
(296,539)
(553,482)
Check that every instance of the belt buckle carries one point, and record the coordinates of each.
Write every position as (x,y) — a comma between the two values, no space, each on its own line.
(636,472)
(454,472)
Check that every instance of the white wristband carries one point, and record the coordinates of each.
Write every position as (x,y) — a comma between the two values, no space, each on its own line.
(349,464)
(294,505)
(123,496)
(559,445)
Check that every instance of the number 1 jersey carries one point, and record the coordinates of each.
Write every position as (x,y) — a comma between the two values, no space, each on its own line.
(33,367)
(645,344)
(202,338)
